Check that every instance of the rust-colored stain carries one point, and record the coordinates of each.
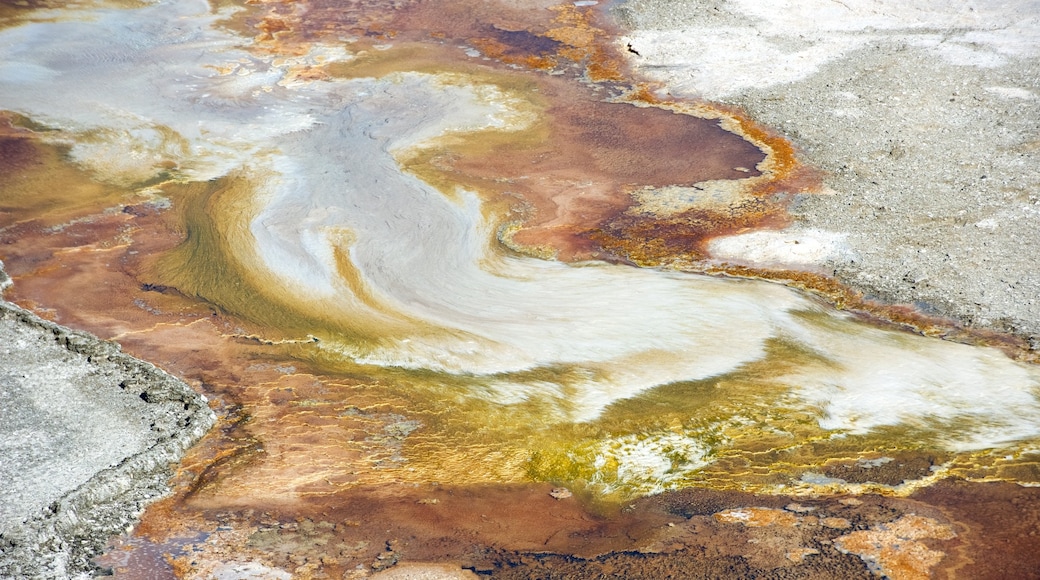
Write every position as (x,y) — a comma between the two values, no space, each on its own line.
(897,549)
(680,240)
(300,471)
(519,47)
(576,215)
(578,183)
(522,532)
(16,150)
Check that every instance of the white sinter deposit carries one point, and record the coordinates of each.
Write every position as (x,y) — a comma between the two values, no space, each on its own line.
(923,115)
(423,268)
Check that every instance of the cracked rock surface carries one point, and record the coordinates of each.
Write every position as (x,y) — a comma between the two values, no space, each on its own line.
(88,435)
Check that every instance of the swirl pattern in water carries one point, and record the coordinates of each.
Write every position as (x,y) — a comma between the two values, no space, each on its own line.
(385,256)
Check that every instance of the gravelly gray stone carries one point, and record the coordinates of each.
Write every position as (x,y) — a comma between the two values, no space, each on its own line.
(87,436)
(934,164)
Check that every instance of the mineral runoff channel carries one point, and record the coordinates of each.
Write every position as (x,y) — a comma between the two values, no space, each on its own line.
(441,271)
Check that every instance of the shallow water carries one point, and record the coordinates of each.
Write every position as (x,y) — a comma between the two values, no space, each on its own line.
(382,261)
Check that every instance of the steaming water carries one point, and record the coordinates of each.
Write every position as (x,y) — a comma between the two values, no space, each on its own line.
(404,275)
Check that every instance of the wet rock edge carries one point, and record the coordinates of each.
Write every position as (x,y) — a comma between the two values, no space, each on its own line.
(61,540)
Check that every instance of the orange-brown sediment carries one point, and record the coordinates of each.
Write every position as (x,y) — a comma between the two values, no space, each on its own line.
(300,472)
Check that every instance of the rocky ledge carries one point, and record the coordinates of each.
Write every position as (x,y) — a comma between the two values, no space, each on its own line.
(89,435)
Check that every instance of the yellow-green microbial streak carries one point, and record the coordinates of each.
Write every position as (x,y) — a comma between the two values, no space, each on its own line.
(339,219)
(618,381)
(205,265)
(738,431)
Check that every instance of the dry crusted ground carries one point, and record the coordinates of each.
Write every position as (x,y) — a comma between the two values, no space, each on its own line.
(924,118)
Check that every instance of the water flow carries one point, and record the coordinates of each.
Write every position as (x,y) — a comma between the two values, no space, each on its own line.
(403,275)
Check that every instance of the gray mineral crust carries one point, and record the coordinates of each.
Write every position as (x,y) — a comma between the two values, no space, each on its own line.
(924,116)
(88,435)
